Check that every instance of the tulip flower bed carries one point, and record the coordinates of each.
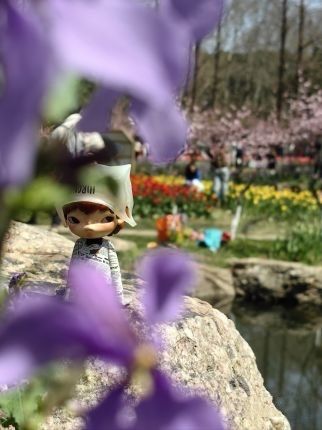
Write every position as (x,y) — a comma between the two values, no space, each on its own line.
(164,190)
(283,203)
(154,197)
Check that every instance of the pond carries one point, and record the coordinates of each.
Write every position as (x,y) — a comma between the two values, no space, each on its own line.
(288,347)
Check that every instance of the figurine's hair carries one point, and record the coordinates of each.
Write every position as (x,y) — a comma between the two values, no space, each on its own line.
(87,208)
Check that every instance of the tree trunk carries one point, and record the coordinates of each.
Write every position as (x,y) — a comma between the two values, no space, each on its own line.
(281,67)
(300,46)
(216,67)
(195,79)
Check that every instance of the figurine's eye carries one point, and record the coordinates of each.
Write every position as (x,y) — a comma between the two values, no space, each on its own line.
(73,220)
(109,218)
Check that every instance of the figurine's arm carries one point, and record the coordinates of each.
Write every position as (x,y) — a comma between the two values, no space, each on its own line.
(115,270)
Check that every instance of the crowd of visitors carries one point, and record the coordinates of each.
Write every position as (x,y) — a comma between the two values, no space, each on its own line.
(222,161)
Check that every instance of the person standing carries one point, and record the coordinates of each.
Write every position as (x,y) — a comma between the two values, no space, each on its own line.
(193,176)
(221,172)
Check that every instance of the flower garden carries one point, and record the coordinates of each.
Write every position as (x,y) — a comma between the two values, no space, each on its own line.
(154,196)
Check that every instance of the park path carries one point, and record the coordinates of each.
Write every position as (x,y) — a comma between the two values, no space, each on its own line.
(152,234)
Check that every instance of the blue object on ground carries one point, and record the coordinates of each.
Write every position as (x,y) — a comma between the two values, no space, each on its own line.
(212,239)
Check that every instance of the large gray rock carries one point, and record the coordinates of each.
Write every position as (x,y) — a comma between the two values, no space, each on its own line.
(215,285)
(204,351)
(39,251)
(273,280)
(42,254)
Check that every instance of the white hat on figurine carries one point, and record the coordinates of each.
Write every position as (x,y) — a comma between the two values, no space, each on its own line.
(120,201)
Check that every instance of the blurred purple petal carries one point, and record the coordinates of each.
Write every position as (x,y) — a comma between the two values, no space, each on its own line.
(165,131)
(18,155)
(121,44)
(96,116)
(169,409)
(168,275)
(198,17)
(25,60)
(166,408)
(96,297)
(16,363)
(41,330)
(110,413)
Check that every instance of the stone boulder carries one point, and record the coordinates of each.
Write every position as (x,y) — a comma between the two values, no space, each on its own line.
(274,281)
(203,352)
(206,352)
(42,254)
(215,285)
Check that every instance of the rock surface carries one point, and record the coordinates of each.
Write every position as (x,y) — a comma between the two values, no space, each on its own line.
(37,250)
(204,351)
(42,254)
(273,281)
(215,285)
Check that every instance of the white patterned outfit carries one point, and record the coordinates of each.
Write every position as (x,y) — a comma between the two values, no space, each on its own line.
(101,253)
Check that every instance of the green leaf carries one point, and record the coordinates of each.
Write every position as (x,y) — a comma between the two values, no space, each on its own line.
(29,405)
(20,404)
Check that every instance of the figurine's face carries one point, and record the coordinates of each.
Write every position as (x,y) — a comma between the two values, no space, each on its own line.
(94,225)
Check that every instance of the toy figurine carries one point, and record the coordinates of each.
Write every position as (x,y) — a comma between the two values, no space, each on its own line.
(94,212)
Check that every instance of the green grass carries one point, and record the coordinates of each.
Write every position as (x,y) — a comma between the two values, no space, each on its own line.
(243,247)
(240,248)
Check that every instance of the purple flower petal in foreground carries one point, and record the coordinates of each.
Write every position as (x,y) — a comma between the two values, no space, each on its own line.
(40,331)
(121,44)
(110,413)
(96,116)
(169,409)
(164,130)
(165,408)
(94,296)
(168,275)
(130,56)
(24,66)
(184,21)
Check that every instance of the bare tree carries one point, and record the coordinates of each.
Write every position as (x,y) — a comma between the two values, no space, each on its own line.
(300,46)
(195,78)
(281,67)
(216,67)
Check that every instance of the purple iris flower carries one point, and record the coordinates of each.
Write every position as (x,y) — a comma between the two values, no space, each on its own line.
(95,324)
(125,47)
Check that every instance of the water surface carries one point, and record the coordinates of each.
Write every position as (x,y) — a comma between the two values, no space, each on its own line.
(288,347)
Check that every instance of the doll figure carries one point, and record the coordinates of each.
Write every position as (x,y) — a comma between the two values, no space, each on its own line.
(94,212)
